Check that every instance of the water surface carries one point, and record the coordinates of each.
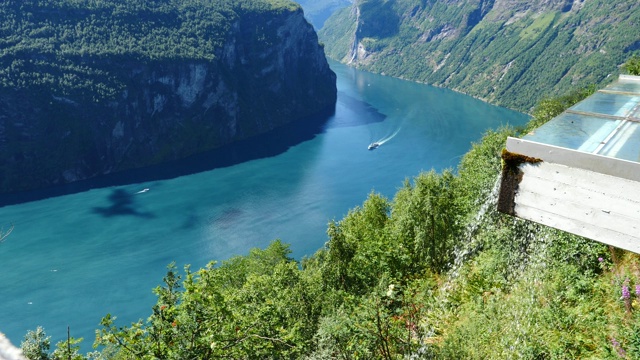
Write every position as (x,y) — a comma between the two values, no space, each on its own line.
(100,249)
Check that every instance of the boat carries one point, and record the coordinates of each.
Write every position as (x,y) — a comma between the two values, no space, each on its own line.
(373,145)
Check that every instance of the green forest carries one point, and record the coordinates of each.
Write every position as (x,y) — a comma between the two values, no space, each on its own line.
(72,71)
(62,46)
(511,54)
(435,272)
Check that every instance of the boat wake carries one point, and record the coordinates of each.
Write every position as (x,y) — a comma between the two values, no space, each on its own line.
(378,143)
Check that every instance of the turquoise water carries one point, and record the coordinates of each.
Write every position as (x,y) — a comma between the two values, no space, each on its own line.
(71,259)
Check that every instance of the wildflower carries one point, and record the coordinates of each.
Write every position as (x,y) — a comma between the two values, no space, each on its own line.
(638,290)
(625,292)
(618,348)
(600,259)
(390,290)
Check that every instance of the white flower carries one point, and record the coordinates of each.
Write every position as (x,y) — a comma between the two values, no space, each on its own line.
(390,290)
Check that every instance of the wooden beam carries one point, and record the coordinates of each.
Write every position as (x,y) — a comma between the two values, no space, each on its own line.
(598,206)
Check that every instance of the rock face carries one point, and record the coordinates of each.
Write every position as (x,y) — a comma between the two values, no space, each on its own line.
(317,11)
(269,71)
(509,52)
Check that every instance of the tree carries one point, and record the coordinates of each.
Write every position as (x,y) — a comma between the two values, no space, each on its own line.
(354,243)
(424,222)
(36,345)
(632,66)
(253,307)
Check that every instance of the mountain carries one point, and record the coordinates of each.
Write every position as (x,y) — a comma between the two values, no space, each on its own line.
(318,11)
(92,88)
(508,52)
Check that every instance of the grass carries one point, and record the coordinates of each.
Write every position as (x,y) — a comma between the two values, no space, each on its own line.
(539,25)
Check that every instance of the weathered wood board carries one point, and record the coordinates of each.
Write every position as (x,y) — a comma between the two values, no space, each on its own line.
(598,206)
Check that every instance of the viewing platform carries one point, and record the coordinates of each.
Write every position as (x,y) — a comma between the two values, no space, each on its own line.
(580,172)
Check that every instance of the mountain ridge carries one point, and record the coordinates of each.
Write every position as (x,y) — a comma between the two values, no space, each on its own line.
(511,53)
(115,86)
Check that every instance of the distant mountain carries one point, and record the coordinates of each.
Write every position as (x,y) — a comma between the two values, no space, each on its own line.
(508,52)
(318,11)
(91,88)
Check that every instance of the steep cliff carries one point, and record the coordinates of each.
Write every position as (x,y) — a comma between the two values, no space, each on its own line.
(318,11)
(109,86)
(508,52)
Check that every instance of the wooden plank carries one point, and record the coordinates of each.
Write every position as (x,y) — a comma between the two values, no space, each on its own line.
(582,212)
(607,193)
(562,174)
(597,206)
(587,230)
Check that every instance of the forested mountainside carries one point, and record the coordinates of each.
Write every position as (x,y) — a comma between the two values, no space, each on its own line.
(508,52)
(318,11)
(95,87)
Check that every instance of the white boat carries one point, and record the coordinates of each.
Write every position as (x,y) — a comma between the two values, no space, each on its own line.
(373,145)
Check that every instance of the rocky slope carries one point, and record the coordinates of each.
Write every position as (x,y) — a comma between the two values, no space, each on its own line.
(317,11)
(109,87)
(509,52)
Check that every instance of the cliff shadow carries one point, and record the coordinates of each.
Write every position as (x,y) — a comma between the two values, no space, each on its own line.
(122,204)
(354,112)
(265,145)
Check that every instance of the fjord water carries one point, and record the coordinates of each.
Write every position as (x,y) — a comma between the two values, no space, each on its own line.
(73,258)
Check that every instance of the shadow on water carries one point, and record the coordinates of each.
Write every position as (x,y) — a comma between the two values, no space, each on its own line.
(228,218)
(122,203)
(366,113)
(266,145)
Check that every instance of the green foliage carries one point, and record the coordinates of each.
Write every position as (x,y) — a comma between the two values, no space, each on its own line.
(543,315)
(414,234)
(539,25)
(484,49)
(377,19)
(257,307)
(339,30)
(353,242)
(68,350)
(434,273)
(478,168)
(425,223)
(317,11)
(69,56)
(384,324)
(632,66)
(548,108)
(36,345)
